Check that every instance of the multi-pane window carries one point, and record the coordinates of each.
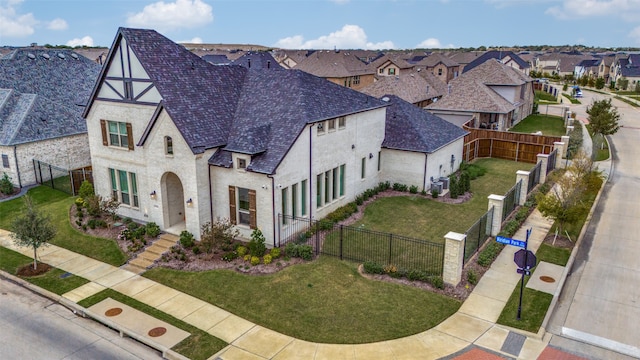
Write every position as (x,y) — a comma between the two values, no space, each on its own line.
(243,206)
(168,145)
(355,80)
(242,163)
(320,127)
(319,190)
(327,186)
(124,187)
(118,135)
(332,124)
(342,121)
(5,161)
(363,167)
(335,182)
(303,198)
(379,159)
(284,205)
(342,174)
(392,71)
(294,200)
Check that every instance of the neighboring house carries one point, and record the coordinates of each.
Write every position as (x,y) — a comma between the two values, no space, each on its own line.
(627,68)
(42,95)
(560,63)
(388,65)
(257,60)
(182,142)
(492,95)
(289,59)
(506,57)
(604,67)
(441,66)
(587,68)
(420,88)
(462,58)
(418,147)
(217,59)
(339,67)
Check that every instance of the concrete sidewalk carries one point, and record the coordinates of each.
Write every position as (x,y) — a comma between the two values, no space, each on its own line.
(472,326)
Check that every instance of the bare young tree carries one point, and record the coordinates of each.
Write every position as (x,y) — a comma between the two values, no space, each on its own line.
(32,229)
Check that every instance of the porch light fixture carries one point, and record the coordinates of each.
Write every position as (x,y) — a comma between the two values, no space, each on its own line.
(153,194)
(370,156)
(189,202)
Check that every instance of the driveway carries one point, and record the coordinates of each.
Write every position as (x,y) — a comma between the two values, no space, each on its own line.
(600,303)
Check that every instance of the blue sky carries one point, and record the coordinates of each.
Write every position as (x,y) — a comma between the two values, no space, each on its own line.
(325,24)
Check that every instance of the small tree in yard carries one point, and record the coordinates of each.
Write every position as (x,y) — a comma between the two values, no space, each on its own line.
(6,186)
(218,234)
(603,118)
(33,229)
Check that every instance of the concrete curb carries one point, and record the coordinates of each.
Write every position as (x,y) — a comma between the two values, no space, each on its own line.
(572,257)
(85,313)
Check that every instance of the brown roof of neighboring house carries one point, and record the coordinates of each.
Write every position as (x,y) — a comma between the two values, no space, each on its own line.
(333,64)
(465,57)
(471,91)
(436,58)
(411,87)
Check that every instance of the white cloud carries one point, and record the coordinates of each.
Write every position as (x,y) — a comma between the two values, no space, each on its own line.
(430,43)
(349,37)
(635,34)
(195,40)
(57,24)
(571,9)
(175,15)
(85,41)
(13,24)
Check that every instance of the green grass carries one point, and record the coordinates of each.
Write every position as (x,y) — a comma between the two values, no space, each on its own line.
(571,98)
(198,346)
(625,100)
(549,125)
(534,309)
(57,205)
(323,301)
(544,96)
(553,255)
(422,218)
(51,280)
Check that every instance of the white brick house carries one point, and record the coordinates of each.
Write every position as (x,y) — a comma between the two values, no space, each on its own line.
(181,142)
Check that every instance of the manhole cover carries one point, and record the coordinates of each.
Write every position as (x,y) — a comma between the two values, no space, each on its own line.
(113,312)
(158,331)
(547,279)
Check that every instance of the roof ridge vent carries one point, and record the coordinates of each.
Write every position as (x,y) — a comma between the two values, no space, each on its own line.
(61,56)
(31,56)
(74,55)
(45,55)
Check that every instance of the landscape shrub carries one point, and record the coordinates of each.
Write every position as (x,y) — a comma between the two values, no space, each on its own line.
(489,253)
(434,193)
(196,250)
(218,234)
(186,239)
(152,229)
(371,267)
(400,187)
(86,189)
(437,282)
(257,245)
(267,259)
(241,250)
(305,252)
(229,256)
(275,253)
(413,189)
(247,257)
(343,212)
(417,275)
(291,250)
(92,203)
(6,186)
(472,277)
(255,260)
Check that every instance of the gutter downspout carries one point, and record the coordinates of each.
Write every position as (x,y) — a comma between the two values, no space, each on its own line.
(273,209)
(210,195)
(424,176)
(310,173)
(15,156)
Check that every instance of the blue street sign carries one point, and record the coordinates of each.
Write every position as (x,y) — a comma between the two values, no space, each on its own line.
(513,242)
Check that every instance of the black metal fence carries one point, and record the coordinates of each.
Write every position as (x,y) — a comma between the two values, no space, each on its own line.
(477,234)
(358,244)
(534,176)
(61,179)
(551,161)
(511,200)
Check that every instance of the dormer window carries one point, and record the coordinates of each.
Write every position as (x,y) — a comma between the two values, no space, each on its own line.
(168,145)
(320,128)
(332,124)
(342,121)
(392,71)
(242,164)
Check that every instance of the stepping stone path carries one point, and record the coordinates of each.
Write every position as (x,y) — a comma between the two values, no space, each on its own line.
(152,253)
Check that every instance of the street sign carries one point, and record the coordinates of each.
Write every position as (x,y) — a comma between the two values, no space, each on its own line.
(509,241)
(525,259)
(523,271)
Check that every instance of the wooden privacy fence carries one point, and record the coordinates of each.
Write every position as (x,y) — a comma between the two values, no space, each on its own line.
(482,143)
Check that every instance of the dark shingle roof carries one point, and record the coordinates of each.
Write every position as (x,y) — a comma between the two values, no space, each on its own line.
(257,60)
(44,92)
(251,111)
(413,129)
(498,55)
(412,87)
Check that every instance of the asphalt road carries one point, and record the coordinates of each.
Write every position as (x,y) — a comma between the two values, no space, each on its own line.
(34,327)
(599,308)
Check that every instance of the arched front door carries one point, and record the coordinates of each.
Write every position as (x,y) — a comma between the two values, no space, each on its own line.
(173,200)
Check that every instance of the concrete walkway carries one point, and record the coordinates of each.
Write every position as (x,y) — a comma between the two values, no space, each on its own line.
(473,325)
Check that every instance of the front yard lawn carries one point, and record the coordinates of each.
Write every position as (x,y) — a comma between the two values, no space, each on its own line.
(325,301)
(57,205)
(549,125)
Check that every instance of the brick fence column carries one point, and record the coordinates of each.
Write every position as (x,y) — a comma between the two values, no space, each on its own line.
(523,176)
(560,154)
(497,202)
(544,158)
(453,258)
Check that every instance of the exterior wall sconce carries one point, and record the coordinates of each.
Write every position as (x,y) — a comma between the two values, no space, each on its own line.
(264,187)
(189,202)
(279,186)
(153,194)
(370,156)
(353,146)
